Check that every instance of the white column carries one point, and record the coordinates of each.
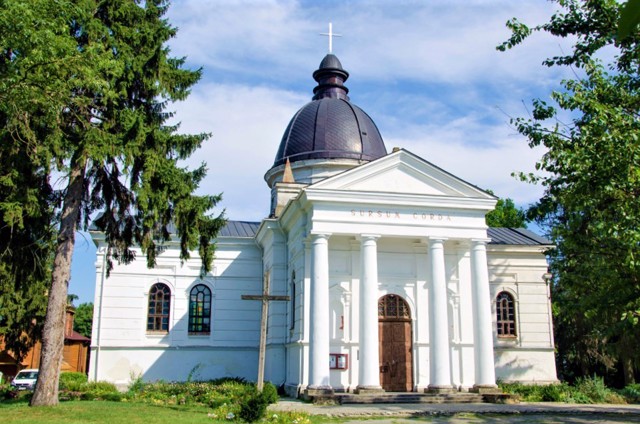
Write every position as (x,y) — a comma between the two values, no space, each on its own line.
(482,328)
(319,315)
(369,364)
(439,339)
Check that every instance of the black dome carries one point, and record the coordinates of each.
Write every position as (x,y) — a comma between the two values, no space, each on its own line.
(330,126)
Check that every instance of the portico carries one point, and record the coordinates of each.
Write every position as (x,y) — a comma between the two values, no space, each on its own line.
(440,343)
(454,234)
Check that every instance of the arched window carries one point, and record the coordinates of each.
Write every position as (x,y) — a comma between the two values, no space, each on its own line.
(159,306)
(506,315)
(393,307)
(200,310)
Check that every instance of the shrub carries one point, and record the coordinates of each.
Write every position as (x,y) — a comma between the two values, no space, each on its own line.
(525,392)
(7,391)
(213,394)
(137,385)
(593,388)
(95,390)
(631,393)
(596,391)
(554,392)
(270,393)
(578,397)
(253,408)
(72,381)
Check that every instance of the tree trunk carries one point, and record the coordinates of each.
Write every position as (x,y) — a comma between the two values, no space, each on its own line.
(46,391)
(627,370)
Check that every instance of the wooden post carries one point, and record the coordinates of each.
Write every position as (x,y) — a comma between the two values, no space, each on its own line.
(265,298)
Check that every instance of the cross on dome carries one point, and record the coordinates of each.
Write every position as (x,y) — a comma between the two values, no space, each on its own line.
(330,34)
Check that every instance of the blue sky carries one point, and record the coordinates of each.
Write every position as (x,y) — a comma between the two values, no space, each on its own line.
(427,72)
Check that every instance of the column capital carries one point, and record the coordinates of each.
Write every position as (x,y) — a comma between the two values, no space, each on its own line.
(480,241)
(366,237)
(318,235)
(437,239)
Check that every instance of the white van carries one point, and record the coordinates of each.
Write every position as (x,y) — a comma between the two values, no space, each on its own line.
(25,380)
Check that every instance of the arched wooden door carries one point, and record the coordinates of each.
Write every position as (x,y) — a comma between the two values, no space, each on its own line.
(396,347)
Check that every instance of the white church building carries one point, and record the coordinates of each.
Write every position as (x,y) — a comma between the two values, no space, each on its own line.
(394,281)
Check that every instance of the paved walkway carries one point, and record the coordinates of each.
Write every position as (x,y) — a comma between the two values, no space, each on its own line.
(412,410)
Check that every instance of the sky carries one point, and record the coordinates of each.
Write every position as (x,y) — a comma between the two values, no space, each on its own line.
(427,72)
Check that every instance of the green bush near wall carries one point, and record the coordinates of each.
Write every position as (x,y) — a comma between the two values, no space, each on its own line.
(586,390)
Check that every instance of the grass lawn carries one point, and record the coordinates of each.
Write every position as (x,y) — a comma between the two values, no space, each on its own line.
(102,412)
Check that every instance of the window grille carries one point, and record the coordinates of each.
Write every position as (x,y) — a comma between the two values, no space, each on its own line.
(159,306)
(200,310)
(506,315)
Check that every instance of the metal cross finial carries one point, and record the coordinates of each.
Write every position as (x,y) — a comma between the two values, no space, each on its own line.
(330,34)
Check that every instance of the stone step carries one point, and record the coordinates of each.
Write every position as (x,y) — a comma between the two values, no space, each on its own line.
(409,398)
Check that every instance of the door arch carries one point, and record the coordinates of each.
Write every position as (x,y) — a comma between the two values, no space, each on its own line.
(396,344)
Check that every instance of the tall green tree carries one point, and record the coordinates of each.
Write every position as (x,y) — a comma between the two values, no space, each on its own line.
(592,183)
(31,49)
(104,82)
(83,319)
(506,214)
(629,18)
(22,310)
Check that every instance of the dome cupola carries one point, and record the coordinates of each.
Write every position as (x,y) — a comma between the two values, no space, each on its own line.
(329,134)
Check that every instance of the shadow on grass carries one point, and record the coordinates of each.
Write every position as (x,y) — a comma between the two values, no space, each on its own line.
(23,398)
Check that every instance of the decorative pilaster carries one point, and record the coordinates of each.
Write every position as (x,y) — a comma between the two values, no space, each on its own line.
(319,382)
(369,364)
(483,334)
(439,340)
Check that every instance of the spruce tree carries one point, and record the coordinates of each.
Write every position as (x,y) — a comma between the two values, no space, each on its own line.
(34,45)
(96,110)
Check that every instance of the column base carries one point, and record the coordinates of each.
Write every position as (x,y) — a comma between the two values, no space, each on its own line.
(368,390)
(442,389)
(486,389)
(315,391)
(322,395)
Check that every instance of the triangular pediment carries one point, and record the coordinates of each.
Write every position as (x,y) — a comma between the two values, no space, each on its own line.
(402,172)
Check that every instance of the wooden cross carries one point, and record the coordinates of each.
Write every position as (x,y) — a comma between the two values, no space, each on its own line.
(330,34)
(265,297)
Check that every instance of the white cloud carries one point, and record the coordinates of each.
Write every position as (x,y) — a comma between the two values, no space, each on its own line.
(427,73)
(246,124)
(436,41)
(487,166)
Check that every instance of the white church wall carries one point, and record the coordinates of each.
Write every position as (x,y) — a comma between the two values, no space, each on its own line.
(122,347)
(529,356)
(352,321)
(121,365)
(275,263)
(532,366)
(341,290)
(298,260)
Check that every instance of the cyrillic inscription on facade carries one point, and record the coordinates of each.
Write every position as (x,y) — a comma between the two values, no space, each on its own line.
(386,214)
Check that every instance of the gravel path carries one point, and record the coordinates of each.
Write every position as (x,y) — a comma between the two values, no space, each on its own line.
(472,413)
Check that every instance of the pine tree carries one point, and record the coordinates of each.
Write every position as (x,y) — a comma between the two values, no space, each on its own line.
(95,109)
